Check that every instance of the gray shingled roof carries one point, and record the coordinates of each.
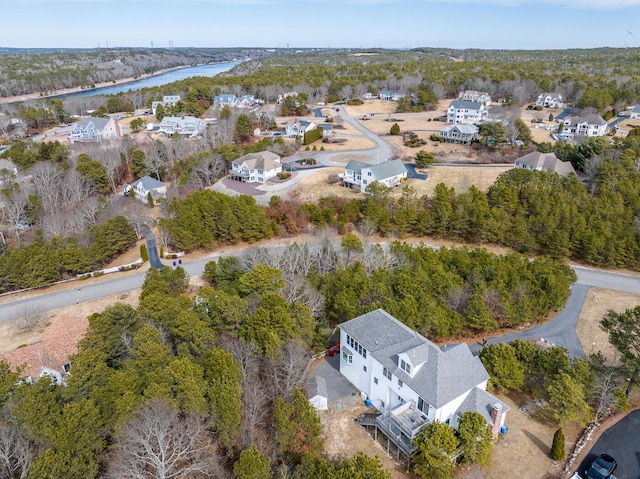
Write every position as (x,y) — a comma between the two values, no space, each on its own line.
(481,401)
(636,109)
(356,166)
(445,375)
(317,386)
(6,165)
(462,128)
(546,161)
(98,123)
(465,105)
(387,169)
(148,183)
(262,160)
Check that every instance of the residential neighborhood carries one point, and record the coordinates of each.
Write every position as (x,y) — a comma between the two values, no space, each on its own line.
(320,262)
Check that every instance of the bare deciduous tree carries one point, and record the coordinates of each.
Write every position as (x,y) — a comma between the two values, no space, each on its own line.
(16,452)
(30,317)
(160,443)
(290,368)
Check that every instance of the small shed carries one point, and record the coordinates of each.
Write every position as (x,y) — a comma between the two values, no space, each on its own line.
(317,393)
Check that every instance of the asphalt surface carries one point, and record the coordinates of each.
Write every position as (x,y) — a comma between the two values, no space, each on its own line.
(622,442)
(152,250)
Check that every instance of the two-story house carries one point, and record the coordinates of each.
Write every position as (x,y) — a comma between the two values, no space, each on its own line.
(412,381)
(95,130)
(469,112)
(550,100)
(183,125)
(145,185)
(477,96)
(167,101)
(295,128)
(591,125)
(390,95)
(459,133)
(544,162)
(255,167)
(231,100)
(359,175)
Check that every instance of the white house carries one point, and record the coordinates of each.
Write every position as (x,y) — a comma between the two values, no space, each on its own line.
(327,129)
(359,175)
(592,125)
(167,101)
(464,111)
(231,100)
(183,125)
(284,95)
(295,128)
(255,167)
(411,381)
(390,95)
(477,96)
(544,162)
(635,113)
(95,130)
(145,185)
(459,133)
(550,100)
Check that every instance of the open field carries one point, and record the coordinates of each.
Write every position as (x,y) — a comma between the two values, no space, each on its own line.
(316,186)
(597,303)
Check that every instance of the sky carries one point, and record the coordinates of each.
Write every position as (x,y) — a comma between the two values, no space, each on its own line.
(493,24)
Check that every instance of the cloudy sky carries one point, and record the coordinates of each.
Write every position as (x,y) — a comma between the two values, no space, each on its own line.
(504,24)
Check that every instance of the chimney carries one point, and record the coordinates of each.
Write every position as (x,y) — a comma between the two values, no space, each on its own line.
(496,418)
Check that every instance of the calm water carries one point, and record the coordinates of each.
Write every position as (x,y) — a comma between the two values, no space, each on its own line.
(169,77)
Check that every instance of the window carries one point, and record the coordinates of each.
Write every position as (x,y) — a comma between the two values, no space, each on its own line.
(406,367)
(401,399)
(348,358)
(364,353)
(375,380)
(364,368)
(386,373)
(423,405)
(399,383)
(368,173)
(364,182)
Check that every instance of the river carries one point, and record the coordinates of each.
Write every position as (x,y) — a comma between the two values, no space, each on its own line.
(157,80)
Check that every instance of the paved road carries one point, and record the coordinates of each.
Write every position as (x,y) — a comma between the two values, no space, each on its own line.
(561,330)
(622,442)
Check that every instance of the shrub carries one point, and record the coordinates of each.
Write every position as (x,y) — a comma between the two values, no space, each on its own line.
(424,158)
(435,137)
(322,148)
(355,102)
(395,129)
(284,175)
(161,251)
(143,252)
(557,449)
(96,274)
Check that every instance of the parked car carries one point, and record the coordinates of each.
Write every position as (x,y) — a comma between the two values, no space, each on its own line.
(602,467)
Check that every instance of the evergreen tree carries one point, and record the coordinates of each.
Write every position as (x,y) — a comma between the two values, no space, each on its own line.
(557,448)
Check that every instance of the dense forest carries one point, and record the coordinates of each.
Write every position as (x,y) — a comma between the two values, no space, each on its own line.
(46,70)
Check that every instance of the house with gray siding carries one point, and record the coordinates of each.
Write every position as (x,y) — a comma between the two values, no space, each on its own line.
(359,175)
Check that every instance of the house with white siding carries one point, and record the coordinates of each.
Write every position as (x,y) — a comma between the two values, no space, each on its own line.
(477,96)
(390,95)
(635,113)
(591,125)
(412,381)
(358,175)
(459,133)
(182,125)
(550,100)
(295,128)
(167,101)
(145,185)
(256,167)
(469,112)
(95,130)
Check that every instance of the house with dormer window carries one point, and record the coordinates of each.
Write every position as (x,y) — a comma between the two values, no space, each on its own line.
(550,100)
(359,175)
(465,111)
(412,381)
